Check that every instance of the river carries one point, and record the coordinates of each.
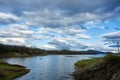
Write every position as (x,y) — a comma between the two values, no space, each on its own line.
(49,67)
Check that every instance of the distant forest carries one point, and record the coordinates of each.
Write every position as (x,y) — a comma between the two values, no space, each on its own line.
(15,50)
(5,49)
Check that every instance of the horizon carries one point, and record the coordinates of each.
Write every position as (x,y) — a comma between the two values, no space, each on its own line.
(61,24)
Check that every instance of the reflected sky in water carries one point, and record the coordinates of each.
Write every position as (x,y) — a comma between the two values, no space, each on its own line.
(50,67)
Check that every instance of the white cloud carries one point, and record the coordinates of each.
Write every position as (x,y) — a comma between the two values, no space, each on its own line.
(50,33)
(8,18)
(51,18)
(70,30)
(110,41)
(58,18)
(15,31)
(113,36)
(101,46)
(82,36)
(15,34)
(47,47)
(71,44)
(13,41)
(60,44)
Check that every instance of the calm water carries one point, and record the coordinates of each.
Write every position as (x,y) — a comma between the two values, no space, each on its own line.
(50,67)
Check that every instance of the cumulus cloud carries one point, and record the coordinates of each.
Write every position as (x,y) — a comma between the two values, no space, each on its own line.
(114,36)
(8,18)
(48,47)
(70,44)
(82,36)
(15,34)
(94,25)
(25,32)
(72,7)
(13,41)
(101,46)
(112,40)
(60,44)
(15,31)
(50,33)
(58,18)
(61,13)
(63,23)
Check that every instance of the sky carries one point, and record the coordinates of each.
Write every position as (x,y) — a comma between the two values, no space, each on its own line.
(61,24)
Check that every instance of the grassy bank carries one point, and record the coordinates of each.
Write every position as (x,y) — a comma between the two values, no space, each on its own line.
(9,72)
(106,68)
(87,62)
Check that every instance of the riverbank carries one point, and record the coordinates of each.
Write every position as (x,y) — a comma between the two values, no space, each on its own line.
(10,72)
(106,68)
(14,54)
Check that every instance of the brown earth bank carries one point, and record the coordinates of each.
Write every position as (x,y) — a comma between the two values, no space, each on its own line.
(106,68)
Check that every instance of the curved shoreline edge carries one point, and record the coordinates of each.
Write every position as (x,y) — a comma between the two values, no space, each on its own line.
(106,68)
(11,71)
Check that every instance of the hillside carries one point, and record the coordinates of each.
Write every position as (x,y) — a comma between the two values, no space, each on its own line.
(22,51)
(73,52)
(16,51)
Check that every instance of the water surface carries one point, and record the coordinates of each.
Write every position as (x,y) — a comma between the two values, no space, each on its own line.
(50,67)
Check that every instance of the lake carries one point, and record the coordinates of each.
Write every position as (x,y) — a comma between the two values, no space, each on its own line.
(49,67)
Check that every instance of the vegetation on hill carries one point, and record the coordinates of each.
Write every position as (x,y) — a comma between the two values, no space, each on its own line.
(14,51)
(106,68)
(72,52)
(22,51)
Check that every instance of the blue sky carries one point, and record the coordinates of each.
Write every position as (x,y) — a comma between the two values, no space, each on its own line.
(61,24)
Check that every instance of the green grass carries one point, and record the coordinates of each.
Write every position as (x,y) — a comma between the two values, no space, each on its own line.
(87,62)
(112,58)
(106,68)
(9,72)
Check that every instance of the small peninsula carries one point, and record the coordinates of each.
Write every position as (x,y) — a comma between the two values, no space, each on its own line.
(10,71)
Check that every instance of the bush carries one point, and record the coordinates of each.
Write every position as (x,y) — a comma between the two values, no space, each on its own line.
(111,58)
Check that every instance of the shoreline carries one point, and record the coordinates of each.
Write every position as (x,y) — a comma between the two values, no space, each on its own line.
(17,55)
(105,68)
(11,71)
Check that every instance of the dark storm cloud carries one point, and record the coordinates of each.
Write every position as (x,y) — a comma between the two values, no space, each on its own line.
(70,6)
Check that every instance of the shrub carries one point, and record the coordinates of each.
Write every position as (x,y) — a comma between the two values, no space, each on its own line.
(111,58)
